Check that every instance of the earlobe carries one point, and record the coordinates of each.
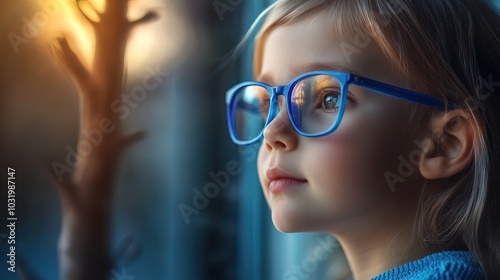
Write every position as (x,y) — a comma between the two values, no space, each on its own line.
(449,146)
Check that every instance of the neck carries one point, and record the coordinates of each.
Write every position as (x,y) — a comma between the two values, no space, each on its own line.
(373,250)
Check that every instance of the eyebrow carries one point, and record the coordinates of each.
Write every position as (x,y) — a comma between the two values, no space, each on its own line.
(296,70)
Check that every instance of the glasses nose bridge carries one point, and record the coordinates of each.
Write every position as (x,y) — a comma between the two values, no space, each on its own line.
(275,107)
(277,91)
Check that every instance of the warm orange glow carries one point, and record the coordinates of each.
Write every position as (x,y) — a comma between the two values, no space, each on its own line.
(161,40)
(66,20)
(91,10)
(148,44)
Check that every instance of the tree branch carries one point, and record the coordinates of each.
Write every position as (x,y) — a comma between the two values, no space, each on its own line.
(70,60)
(148,17)
(77,2)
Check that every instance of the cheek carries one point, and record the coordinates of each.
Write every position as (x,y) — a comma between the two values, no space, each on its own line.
(340,174)
(349,165)
(375,134)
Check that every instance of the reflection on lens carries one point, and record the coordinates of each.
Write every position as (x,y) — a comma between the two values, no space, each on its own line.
(250,109)
(315,101)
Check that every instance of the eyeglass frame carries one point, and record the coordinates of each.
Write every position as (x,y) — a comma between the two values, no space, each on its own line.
(345,79)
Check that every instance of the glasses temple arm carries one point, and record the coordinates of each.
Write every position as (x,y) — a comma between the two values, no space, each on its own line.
(399,92)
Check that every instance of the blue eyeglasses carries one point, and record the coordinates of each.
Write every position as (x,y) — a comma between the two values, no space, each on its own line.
(315,102)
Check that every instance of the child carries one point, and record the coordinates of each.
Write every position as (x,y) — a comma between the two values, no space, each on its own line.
(378,121)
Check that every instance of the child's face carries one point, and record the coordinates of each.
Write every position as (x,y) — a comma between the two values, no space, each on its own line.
(335,182)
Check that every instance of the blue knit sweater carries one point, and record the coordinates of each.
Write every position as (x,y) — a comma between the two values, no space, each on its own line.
(449,265)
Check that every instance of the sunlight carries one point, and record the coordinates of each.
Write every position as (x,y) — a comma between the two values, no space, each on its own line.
(148,44)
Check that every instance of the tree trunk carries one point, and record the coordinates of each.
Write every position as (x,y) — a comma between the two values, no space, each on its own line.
(87,194)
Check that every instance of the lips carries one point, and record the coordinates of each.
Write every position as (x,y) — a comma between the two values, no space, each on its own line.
(280,180)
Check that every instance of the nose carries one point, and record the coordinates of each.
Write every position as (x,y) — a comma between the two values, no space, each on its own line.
(279,134)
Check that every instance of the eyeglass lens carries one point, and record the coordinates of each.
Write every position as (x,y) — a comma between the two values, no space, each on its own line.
(314,102)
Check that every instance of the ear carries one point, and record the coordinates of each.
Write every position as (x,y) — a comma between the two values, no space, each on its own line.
(449,146)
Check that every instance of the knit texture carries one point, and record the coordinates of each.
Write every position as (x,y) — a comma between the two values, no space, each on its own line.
(447,265)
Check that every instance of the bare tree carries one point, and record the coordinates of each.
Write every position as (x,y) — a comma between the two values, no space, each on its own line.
(87,193)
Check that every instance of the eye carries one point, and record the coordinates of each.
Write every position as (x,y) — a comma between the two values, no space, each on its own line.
(330,102)
(327,100)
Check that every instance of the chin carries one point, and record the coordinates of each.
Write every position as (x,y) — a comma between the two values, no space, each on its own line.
(290,223)
(286,228)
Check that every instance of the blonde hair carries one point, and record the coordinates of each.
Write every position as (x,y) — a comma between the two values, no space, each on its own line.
(447,48)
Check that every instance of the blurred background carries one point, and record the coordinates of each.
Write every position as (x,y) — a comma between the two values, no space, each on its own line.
(186,196)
